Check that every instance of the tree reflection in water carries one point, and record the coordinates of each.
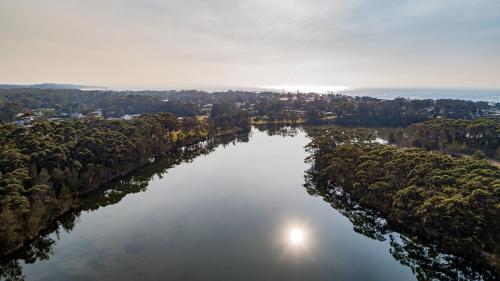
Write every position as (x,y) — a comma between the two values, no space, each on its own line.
(283,131)
(426,261)
(42,247)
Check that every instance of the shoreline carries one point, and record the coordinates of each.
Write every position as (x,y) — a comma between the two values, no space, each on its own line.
(66,206)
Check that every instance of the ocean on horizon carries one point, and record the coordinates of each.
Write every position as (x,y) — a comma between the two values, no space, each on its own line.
(488,95)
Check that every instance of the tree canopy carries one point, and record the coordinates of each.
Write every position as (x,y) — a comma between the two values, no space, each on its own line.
(45,166)
(451,201)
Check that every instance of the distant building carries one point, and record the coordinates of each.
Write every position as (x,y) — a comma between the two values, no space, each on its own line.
(76,115)
(129,117)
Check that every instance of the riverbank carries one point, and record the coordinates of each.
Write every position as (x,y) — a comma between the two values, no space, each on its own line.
(450,201)
(184,141)
(48,166)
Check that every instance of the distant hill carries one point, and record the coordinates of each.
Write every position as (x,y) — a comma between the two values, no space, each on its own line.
(48,86)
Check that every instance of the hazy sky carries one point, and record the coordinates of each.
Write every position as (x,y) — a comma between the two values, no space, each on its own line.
(161,43)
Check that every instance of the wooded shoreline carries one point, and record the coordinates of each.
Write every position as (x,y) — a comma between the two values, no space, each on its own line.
(74,203)
(46,167)
(451,201)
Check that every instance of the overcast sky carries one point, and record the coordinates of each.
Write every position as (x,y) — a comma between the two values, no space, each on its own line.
(193,43)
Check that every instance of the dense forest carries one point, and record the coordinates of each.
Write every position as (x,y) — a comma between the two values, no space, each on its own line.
(43,246)
(112,104)
(452,202)
(402,112)
(46,165)
(429,262)
(226,115)
(455,136)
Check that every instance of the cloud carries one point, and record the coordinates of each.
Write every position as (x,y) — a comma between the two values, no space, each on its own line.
(246,43)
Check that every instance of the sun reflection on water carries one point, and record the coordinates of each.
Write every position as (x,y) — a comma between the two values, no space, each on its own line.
(297,242)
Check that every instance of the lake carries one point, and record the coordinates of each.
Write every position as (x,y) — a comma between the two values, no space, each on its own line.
(240,212)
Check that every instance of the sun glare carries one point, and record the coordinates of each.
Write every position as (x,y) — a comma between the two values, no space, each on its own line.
(296,236)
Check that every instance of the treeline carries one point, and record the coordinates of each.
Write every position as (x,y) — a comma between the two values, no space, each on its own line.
(427,261)
(456,136)
(226,115)
(112,104)
(451,202)
(402,112)
(44,167)
(43,246)
(367,111)
(272,107)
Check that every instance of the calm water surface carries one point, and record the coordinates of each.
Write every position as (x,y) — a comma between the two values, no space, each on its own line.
(238,213)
